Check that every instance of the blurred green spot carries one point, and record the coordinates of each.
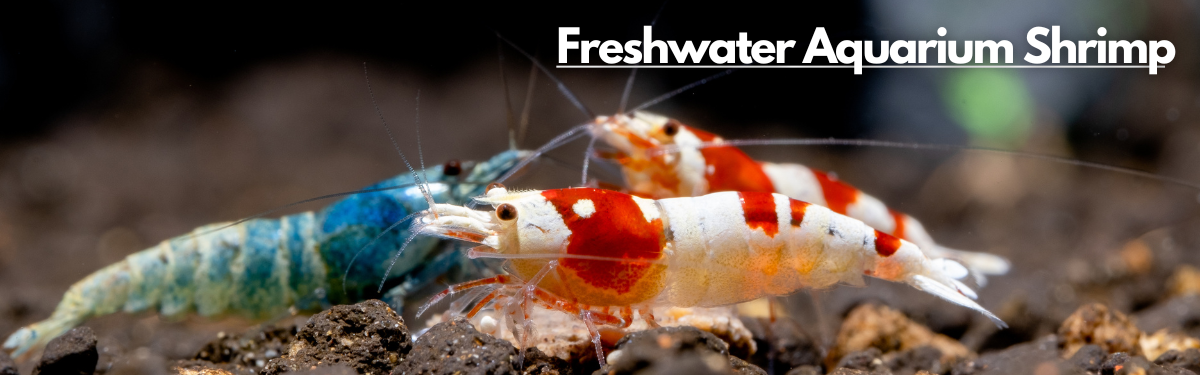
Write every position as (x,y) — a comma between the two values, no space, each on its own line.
(993,105)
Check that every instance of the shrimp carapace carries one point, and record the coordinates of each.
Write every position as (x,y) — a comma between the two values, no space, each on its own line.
(664,158)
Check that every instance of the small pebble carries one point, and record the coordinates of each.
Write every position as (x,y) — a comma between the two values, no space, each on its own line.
(487,325)
(614,356)
(1098,324)
(346,334)
(72,353)
(7,367)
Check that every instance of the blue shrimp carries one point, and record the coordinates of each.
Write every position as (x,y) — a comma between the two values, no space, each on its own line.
(261,268)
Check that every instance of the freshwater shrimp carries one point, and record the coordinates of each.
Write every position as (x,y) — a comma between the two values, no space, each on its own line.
(591,252)
(694,166)
(260,268)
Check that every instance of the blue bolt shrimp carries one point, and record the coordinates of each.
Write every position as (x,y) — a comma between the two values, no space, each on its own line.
(260,268)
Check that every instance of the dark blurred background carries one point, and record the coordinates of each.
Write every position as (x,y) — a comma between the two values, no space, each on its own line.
(62,56)
(123,124)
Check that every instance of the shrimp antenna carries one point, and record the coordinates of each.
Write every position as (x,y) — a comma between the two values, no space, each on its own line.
(591,148)
(561,86)
(420,183)
(320,198)
(568,136)
(524,124)
(587,158)
(346,274)
(508,112)
(608,169)
(633,72)
(680,90)
(628,89)
(571,96)
(516,130)
(421,154)
(416,231)
(939,147)
(300,202)
(473,253)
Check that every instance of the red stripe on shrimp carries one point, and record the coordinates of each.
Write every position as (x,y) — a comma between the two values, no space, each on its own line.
(609,224)
(728,168)
(899,219)
(886,244)
(838,195)
(759,210)
(798,210)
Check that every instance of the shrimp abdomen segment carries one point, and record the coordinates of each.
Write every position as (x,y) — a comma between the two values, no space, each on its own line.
(733,247)
(714,253)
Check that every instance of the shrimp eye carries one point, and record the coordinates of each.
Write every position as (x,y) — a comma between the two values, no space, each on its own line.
(506,212)
(493,185)
(671,129)
(452,168)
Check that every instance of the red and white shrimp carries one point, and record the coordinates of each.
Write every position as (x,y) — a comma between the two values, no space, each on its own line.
(694,166)
(592,252)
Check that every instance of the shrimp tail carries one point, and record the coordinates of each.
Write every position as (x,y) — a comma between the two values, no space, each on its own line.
(103,292)
(239,269)
(942,280)
(979,263)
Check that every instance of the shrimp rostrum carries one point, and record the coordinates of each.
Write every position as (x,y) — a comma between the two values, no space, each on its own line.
(593,252)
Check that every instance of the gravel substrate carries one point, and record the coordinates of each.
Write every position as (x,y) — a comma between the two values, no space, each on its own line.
(370,338)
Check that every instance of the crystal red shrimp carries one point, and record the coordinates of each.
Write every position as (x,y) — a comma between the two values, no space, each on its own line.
(690,168)
(591,252)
